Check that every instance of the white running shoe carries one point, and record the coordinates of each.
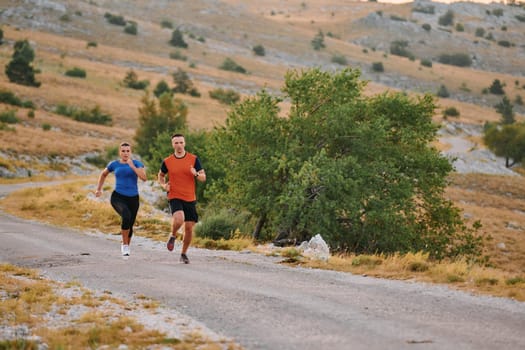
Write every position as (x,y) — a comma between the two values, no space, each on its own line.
(124,248)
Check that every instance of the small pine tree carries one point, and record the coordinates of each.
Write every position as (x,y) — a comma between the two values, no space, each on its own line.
(177,39)
(505,108)
(259,50)
(20,70)
(1,36)
(496,88)
(161,88)
(318,41)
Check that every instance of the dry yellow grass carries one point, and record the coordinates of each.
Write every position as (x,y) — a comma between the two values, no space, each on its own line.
(28,298)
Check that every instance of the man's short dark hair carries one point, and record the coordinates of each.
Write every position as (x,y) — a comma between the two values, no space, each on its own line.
(176,135)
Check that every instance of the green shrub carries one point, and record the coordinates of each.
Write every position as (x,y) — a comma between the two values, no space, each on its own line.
(76,72)
(459,27)
(91,44)
(131,80)
(520,18)
(177,55)
(451,112)
(230,65)
(9,117)
(497,12)
(165,23)
(447,19)
(426,27)
(131,28)
(216,226)
(31,113)
(505,43)
(397,18)
(115,19)
(226,96)
(480,32)
(518,100)
(378,67)
(426,62)
(10,98)
(456,59)
(515,280)
(46,126)
(443,92)
(259,50)
(339,59)
(399,48)
(430,9)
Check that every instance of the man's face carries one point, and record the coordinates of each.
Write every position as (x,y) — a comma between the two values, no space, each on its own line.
(178,143)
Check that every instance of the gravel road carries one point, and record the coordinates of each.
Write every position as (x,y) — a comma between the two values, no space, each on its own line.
(261,304)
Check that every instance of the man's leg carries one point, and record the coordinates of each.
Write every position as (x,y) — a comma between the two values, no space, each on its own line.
(188,236)
(177,220)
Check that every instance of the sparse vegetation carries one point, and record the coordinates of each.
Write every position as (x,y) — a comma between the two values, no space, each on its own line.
(451,112)
(226,96)
(117,20)
(131,80)
(339,59)
(232,66)
(8,97)
(76,72)
(399,48)
(443,92)
(259,50)
(426,62)
(378,67)
(93,116)
(318,41)
(447,19)
(456,59)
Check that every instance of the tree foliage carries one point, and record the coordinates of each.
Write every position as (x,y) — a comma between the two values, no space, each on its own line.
(20,69)
(177,39)
(359,170)
(167,114)
(506,140)
(506,109)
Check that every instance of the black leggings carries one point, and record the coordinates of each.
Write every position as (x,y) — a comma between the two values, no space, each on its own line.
(127,208)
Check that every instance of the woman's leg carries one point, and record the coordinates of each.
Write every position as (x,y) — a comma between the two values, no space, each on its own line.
(121,205)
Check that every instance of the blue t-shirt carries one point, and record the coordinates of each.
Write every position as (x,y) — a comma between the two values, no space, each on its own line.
(125,177)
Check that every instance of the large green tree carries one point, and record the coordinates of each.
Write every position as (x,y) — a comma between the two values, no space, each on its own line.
(359,170)
(20,69)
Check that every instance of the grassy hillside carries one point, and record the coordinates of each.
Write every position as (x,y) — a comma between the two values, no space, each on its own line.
(359,32)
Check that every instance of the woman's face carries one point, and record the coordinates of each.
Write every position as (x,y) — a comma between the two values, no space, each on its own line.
(125,152)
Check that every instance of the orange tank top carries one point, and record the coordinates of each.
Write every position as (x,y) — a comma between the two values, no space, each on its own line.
(182,181)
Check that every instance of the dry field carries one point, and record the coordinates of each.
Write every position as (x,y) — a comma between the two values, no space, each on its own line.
(230,29)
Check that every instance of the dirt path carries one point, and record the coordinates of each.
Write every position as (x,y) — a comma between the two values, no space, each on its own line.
(264,305)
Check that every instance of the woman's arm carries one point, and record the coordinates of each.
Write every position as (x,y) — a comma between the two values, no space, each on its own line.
(103,174)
